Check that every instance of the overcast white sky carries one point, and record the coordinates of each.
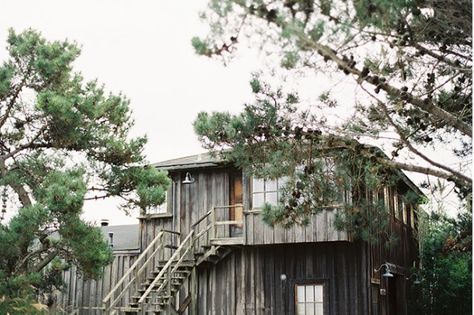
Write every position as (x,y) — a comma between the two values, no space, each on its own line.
(142,48)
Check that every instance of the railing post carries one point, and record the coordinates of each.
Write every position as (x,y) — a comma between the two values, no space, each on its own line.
(213,223)
(168,290)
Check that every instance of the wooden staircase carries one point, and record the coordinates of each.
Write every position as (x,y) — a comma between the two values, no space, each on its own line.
(151,285)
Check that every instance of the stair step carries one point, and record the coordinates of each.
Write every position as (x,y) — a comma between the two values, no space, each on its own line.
(130,310)
(187,263)
(157,272)
(227,241)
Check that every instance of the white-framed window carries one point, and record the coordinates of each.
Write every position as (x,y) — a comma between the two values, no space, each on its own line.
(309,299)
(266,191)
(169,197)
(163,208)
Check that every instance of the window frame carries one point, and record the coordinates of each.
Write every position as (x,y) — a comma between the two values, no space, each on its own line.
(279,182)
(305,282)
(168,205)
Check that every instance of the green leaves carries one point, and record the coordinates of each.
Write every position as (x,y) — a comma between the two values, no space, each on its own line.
(289,60)
(62,193)
(150,185)
(46,64)
(201,47)
(90,252)
(62,140)
(6,76)
(446,276)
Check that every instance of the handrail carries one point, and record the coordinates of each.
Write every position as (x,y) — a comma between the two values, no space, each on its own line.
(174,268)
(237,205)
(201,218)
(171,231)
(137,264)
(166,266)
(171,266)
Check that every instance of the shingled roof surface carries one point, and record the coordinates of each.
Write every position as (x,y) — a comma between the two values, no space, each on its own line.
(126,237)
(192,161)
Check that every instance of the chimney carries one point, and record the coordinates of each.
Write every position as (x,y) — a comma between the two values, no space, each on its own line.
(104,222)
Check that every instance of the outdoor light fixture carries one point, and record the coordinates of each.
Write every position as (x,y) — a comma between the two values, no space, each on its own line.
(417,279)
(282,277)
(188,179)
(387,273)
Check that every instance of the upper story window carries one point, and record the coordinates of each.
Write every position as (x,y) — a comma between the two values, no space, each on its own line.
(266,191)
(165,207)
(309,299)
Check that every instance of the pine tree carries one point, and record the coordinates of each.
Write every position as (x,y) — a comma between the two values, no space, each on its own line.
(62,141)
(412,59)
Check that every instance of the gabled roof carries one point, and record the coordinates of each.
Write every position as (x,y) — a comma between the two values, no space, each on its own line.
(189,162)
(126,237)
(207,160)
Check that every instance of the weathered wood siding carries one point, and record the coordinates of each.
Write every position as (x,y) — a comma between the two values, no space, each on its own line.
(190,202)
(82,296)
(211,188)
(248,281)
(320,229)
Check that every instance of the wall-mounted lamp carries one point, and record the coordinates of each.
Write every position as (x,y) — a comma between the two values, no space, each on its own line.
(188,179)
(282,277)
(387,273)
(417,278)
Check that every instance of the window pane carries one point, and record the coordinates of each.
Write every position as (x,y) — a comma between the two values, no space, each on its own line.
(300,309)
(161,208)
(282,182)
(300,293)
(319,309)
(257,185)
(257,200)
(271,185)
(309,293)
(310,308)
(271,198)
(318,293)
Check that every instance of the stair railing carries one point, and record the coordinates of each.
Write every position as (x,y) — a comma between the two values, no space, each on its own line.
(170,267)
(133,276)
(212,223)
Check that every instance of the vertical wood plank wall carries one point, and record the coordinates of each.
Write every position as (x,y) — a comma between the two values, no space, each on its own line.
(248,281)
(80,296)
(320,229)
(211,188)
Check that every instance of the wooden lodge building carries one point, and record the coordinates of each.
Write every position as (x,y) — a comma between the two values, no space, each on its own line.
(209,252)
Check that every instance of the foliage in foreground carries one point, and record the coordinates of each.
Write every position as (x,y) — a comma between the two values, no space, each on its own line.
(62,141)
(273,138)
(410,60)
(446,274)
(411,63)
